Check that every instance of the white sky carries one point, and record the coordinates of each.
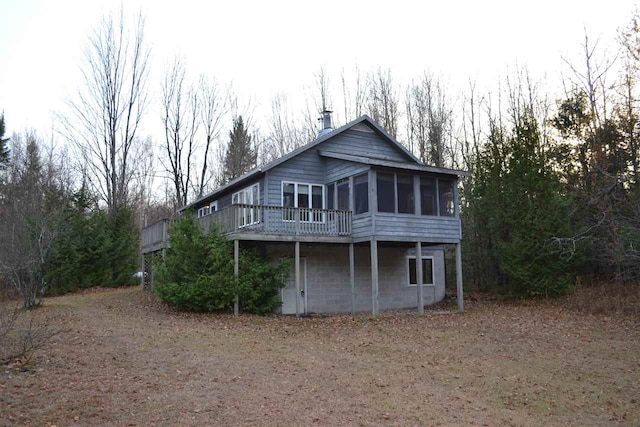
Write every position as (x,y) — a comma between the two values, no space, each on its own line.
(266,47)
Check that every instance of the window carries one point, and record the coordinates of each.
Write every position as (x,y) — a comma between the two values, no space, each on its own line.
(386,192)
(406,202)
(447,207)
(203,211)
(213,206)
(247,196)
(343,195)
(395,193)
(297,195)
(428,196)
(361,193)
(331,192)
(427,271)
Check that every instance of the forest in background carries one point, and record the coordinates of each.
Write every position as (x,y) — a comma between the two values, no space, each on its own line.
(553,196)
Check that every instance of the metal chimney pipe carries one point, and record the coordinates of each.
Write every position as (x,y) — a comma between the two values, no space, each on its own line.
(325,123)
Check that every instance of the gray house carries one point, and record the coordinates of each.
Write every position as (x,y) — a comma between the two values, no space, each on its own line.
(364,219)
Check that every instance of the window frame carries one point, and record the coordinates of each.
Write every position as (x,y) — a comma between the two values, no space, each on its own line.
(354,205)
(433,273)
(309,185)
(204,211)
(247,216)
(454,185)
(342,183)
(394,191)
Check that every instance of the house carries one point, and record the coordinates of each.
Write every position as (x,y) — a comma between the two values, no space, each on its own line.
(364,219)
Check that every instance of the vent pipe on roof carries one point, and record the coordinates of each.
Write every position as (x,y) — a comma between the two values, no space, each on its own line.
(325,125)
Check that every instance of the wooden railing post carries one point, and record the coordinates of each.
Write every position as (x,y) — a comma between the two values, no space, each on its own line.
(270,220)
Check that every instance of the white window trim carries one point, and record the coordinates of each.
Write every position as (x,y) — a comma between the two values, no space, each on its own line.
(433,271)
(253,214)
(203,211)
(295,195)
(213,206)
(257,185)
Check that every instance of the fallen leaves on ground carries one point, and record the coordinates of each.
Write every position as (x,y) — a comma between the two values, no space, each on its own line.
(126,359)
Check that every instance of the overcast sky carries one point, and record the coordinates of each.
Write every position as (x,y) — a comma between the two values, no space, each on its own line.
(266,47)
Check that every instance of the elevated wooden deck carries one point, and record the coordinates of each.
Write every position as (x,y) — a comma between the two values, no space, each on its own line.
(263,223)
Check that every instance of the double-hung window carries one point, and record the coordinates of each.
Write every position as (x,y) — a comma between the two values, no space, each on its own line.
(306,197)
(248,215)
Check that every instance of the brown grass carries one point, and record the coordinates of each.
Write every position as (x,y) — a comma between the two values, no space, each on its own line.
(609,298)
(127,360)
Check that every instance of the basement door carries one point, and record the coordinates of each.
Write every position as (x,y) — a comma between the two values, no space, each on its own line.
(288,293)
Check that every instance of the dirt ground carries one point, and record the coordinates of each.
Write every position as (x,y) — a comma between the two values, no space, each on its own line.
(124,359)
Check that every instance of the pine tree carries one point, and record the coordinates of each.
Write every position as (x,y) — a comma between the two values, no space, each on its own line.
(240,155)
(4,149)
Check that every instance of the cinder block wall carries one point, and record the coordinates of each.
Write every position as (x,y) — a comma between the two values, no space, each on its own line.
(328,288)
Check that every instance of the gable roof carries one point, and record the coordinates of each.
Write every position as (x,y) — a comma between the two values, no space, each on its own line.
(260,170)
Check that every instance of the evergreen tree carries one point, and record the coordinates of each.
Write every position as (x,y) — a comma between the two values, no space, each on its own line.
(518,212)
(240,156)
(4,142)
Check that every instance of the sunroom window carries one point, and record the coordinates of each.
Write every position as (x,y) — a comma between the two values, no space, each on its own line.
(361,193)
(386,192)
(447,207)
(395,193)
(406,202)
(343,194)
(428,194)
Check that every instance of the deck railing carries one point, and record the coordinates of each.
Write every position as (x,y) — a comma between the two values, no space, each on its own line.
(155,233)
(278,220)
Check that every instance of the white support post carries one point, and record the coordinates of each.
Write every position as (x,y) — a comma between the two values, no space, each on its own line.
(374,277)
(297,268)
(352,278)
(459,277)
(236,274)
(419,278)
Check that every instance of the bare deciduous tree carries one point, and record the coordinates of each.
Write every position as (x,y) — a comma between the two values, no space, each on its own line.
(383,100)
(212,112)
(354,95)
(180,118)
(30,215)
(107,110)
(284,136)
(429,120)
(318,100)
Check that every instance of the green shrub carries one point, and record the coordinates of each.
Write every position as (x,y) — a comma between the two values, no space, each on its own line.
(91,249)
(197,274)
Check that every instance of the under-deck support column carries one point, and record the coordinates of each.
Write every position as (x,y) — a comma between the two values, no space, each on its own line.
(352,278)
(236,274)
(297,268)
(374,277)
(459,277)
(419,278)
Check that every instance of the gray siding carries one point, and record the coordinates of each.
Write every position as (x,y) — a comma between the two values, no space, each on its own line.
(328,289)
(361,143)
(225,199)
(306,167)
(339,169)
(411,227)
(361,227)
